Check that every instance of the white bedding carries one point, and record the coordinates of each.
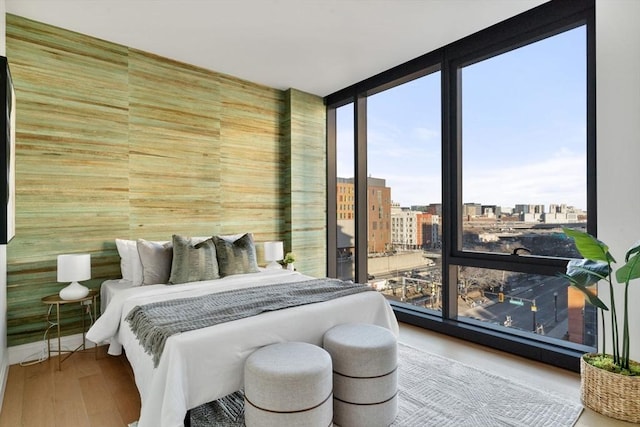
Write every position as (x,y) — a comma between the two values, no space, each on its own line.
(203,365)
(109,288)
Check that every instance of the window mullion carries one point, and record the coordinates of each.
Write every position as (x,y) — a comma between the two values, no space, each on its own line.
(450,194)
(332,184)
(361,210)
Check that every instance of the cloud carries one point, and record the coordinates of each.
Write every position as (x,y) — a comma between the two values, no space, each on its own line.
(415,189)
(425,134)
(560,178)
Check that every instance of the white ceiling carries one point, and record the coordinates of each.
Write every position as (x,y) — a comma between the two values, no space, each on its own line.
(317,46)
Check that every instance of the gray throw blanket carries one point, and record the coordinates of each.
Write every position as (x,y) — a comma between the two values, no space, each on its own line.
(154,323)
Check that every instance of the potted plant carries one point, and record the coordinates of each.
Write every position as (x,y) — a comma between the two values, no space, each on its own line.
(610,381)
(289,259)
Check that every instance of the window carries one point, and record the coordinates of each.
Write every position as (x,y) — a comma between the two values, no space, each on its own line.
(403,158)
(524,147)
(469,160)
(345,230)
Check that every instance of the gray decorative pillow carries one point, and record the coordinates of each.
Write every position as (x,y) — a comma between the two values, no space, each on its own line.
(193,260)
(156,261)
(237,256)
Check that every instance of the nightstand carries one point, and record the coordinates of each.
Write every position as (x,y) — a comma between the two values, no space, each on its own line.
(84,304)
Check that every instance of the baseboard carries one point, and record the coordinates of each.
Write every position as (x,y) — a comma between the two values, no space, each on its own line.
(35,350)
(4,374)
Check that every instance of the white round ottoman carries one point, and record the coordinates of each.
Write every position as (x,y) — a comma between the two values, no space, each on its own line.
(288,384)
(365,374)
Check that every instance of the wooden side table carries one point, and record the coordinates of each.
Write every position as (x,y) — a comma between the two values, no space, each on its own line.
(84,303)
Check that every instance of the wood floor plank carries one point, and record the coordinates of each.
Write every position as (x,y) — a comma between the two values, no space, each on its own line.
(106,418)
(84,363)
(39,393)
(69,407)
(123,390)
(96,395)
(12,403)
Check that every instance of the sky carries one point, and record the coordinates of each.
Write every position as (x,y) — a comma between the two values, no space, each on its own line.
(523,130)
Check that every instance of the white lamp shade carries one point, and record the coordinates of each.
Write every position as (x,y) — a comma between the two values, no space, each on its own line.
(72,268)
(273,252)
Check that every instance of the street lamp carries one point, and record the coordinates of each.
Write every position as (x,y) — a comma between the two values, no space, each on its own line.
(534,309)
(555,306)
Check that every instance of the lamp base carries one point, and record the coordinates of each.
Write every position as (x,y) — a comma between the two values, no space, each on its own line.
(274,265)
(74,290)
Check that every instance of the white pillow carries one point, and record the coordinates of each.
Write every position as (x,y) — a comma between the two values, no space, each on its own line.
(130,264)
(155,258)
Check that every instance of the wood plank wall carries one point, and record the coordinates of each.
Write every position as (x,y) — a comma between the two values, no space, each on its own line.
(306,214)
(115,142)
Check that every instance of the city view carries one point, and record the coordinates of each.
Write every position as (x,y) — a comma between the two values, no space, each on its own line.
(404,261)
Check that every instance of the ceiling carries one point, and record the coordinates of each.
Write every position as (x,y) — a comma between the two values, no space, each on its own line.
(317,46)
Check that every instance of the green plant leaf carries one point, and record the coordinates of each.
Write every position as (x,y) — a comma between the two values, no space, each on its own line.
(589,294)
(587,272)
(588,246)
(631,270)
(632,250)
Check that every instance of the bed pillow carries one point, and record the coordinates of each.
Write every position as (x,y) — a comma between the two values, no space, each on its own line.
(130,264)
(236,256)
(193,260)
(156,260)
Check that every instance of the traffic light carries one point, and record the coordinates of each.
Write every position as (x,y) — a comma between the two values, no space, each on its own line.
(501,297)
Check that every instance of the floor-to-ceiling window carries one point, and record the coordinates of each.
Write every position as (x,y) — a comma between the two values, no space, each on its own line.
(522,132)
(404,191)
(345,193)
(465,165)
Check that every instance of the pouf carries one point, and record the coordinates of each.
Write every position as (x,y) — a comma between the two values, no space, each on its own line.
(365,374)
(288,384)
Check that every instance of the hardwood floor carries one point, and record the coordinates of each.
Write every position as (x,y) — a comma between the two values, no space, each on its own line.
(101,392)
(86,392)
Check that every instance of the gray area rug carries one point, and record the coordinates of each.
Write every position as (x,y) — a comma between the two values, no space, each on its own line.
(435,391)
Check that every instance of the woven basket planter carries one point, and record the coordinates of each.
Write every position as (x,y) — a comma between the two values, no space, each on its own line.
(614,395)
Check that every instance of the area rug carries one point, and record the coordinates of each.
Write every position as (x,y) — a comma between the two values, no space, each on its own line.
(435,391)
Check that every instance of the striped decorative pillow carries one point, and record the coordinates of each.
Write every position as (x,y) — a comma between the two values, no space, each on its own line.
(237,256)
(193,260)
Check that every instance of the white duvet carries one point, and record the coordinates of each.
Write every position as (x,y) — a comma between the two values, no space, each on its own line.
(203,365)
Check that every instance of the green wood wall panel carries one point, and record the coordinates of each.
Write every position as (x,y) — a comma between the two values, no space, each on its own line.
(174,140)
(306,230)
(115,142)
(251,159)
(71,161)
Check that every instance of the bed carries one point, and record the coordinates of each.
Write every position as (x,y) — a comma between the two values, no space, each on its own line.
(206,364)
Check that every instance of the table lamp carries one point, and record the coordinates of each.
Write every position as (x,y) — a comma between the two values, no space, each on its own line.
(273,252)
(71,268)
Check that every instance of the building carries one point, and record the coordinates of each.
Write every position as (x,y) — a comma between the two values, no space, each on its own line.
(345,203)
(471,210)
(428,230)
(414,229)
(563,214)
(379,212)
(404,228)
(379,215)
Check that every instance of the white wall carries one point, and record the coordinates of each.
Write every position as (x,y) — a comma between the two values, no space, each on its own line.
(618,136)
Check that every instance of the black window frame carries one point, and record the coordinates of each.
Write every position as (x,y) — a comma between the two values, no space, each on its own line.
(536,24)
